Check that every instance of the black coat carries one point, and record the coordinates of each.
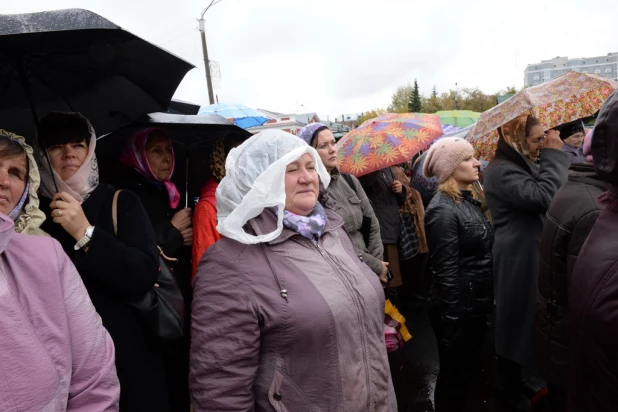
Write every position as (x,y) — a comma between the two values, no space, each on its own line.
(385,202)
(155,199)
(116,270)
(570,217)
(518,193)
(460,241)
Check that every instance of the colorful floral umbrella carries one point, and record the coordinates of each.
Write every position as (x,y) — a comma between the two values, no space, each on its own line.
(386,141)
(460,118)
(569,97)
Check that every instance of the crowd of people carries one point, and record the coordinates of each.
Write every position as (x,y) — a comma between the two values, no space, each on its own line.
(283,266)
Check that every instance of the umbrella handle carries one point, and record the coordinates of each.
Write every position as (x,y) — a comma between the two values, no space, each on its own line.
(26,85)
(186,180)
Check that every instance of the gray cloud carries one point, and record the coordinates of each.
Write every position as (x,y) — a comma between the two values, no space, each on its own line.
(344,56)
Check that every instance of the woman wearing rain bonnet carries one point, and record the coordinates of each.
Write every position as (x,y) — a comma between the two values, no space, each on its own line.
(26,213)
(285,313)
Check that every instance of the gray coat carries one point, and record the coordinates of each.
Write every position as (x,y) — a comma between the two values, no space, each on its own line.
(518,194)
(353,205)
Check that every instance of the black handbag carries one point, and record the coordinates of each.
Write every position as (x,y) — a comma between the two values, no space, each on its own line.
(163,307)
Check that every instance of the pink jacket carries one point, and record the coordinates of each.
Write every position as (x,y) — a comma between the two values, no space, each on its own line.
(55,354)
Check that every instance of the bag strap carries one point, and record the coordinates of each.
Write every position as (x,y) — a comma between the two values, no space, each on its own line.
(115,212)
(350,182)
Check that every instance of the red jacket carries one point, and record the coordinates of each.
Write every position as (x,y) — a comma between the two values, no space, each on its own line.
(204,223)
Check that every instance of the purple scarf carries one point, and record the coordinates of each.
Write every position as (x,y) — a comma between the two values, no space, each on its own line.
(310,226)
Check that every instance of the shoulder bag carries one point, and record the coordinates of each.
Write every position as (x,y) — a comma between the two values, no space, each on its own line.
(163,306)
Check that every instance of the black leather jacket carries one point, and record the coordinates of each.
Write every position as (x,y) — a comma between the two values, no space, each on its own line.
(460,245)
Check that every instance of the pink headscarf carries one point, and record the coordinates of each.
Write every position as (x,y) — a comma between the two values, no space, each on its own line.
(134,156)
(588,146)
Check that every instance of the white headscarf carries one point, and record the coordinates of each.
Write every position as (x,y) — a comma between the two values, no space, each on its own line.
(82,183)
(255,180)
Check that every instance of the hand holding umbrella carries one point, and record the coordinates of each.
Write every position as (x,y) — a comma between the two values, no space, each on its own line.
(553,141)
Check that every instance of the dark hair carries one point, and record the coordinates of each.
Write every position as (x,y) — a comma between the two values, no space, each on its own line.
(232,141)
(158,133)
(58,128)
(531,121)
(312,142)
(10,148)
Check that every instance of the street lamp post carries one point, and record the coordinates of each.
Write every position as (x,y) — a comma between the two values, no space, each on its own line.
(202,27)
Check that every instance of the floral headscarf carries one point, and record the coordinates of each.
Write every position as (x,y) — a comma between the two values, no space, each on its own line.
(134,156)
(82,183)
(27,215)
(514,133)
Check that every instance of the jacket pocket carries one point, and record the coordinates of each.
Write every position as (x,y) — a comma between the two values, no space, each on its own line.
(354,200)
(285,396)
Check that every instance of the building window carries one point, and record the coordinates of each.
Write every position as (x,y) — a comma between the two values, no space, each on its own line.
(285,118)
(585,71)
(597,71)
(271,121)
(608,70)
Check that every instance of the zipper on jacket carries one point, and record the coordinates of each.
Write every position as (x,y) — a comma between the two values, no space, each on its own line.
(363,329)
(320,250)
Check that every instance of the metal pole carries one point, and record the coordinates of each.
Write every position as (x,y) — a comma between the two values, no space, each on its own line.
(211,98)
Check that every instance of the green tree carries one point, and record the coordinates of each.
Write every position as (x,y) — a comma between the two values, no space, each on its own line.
(400,99)
(372,114)
(477,101)
(415,103)
(508,90)
(434,92)
(433,103)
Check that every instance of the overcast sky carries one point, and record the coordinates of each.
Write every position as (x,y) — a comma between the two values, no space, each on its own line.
(348,56)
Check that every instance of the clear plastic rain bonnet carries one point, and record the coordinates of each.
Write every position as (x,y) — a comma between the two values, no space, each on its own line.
(255,180)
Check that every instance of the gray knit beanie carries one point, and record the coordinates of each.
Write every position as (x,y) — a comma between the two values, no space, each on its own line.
(444,157)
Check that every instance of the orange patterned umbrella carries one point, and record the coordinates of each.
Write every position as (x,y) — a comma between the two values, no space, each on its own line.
(569,97)
(386,141)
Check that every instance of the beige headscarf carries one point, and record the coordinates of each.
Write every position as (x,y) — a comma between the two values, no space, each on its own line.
(81,184)
(31,217)
(514,133)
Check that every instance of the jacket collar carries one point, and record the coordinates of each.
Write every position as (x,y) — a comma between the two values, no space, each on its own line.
(585,173)
(266,222)
(505,151)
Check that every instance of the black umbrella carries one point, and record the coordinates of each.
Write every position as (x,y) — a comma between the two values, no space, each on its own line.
(193,137)
(75,60)
(181,107)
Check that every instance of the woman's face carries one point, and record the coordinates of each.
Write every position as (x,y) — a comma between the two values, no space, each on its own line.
(535,141)
(13,178)
(301,186)
(467,172)
(326,145)
(160,155)
(575,140)
(66,159)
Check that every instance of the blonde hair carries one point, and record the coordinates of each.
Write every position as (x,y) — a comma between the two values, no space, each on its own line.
(451,188)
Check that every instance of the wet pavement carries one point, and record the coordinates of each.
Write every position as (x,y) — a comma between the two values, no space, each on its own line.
(416,368)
